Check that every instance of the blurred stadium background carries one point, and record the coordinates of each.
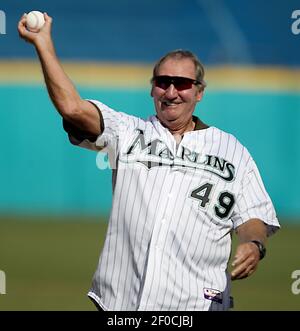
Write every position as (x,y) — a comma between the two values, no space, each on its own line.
(55,202)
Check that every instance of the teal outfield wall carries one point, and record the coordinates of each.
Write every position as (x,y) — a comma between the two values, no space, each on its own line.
(42,173)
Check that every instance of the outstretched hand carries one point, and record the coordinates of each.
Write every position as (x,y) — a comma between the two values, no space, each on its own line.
(245,260)
(40,38)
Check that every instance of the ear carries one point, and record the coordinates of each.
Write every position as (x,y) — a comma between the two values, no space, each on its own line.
(199,95)
(151,92)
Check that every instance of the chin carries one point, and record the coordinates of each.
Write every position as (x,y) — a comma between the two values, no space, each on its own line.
(169,114)
(168,121)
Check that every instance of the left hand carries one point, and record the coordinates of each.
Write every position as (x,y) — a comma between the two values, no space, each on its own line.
(245,260)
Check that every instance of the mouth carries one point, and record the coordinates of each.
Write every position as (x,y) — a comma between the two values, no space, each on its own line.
(169,104)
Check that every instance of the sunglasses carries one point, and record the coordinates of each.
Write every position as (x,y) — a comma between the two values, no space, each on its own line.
(180,83)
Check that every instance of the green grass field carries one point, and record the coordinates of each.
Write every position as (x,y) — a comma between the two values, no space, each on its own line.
(49,265)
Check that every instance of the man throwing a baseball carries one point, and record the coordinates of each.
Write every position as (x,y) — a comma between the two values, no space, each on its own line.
(181,188)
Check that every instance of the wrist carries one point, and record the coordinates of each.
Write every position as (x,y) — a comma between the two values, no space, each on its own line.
(261,248)
(44,46)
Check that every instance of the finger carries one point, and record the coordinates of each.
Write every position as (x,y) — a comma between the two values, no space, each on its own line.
(243,271)
(47,25)
(48,19)
(239,275)
(22,25)
(239,269)
(238,259)
(23,20)
(244,274)
(24,33)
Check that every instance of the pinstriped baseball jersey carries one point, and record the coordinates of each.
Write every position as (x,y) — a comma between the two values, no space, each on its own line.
(174,207)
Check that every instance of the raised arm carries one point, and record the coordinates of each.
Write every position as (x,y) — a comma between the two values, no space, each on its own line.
(62,92)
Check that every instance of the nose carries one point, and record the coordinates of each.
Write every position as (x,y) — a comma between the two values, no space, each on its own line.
(171,92)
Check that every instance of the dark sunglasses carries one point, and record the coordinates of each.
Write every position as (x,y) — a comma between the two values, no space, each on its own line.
(180,83)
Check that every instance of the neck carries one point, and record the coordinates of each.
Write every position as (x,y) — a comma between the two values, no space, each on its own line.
(180,130)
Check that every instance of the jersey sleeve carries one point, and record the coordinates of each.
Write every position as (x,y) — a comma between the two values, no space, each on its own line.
(253,201)
(114,125)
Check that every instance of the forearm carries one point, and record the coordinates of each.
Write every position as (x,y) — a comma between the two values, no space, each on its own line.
(254,229)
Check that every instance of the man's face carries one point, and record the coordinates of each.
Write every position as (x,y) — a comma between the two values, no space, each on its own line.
(174,107)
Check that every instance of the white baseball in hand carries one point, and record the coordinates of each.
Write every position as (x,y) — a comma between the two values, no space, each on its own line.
(35,21)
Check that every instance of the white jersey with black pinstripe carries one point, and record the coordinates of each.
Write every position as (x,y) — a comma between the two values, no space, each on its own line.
(174,206)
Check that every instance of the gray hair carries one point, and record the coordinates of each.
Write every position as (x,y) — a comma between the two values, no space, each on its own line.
(183,54)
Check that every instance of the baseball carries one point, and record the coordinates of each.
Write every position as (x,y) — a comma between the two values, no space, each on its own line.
(35,20)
